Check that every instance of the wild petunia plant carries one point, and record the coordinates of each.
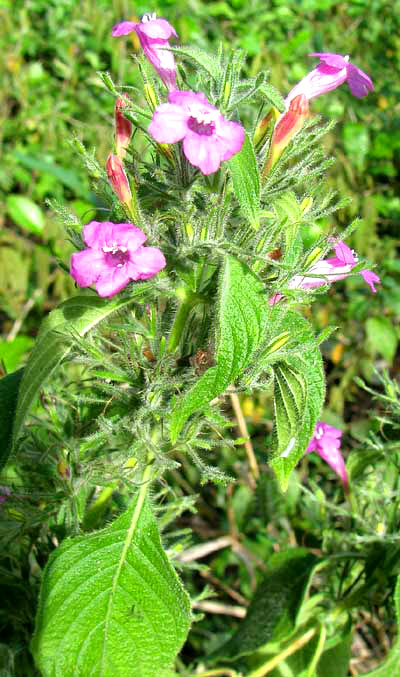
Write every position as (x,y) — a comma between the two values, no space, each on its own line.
(208,191)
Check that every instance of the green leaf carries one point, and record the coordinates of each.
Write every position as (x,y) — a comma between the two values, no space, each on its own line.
(299,393)
(246,182)
(199,57)
(382,337)
(11,352)
(391,665)
(272,614)
(111,603)
(76,316)
(25,213)
(241,320)
(9,387)
(273,96)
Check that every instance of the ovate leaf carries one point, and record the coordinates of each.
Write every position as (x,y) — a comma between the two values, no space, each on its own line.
(9,387)
(299,393)
(25,213)
(390,667)
(241,319)
(272,614)
(246,182)
(76,316)
(111,603)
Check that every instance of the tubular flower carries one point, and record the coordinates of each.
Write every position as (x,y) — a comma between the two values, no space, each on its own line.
(154,35)
(326,442)
(123,127)
(287,127)
(332,270)
(332,71)
(114,257)
(208,138)
(118,179)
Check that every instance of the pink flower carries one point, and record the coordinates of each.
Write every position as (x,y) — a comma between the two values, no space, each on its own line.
(330,73)
(332,270)
(114,257)
(326,442)
(118,179)
(123,127)
(208,138)
(154,35)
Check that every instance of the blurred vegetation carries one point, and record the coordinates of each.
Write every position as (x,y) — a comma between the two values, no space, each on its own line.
(50,53)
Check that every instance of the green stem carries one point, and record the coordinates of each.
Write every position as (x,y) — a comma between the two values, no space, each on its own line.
(320,647)
(220,672)
(291,649)
(180,322)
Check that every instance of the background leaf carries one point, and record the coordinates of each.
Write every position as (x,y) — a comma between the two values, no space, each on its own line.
(26,213)
(246,182)
(111,603)
(9,387)
(272,614)
(242,316)
(382,337)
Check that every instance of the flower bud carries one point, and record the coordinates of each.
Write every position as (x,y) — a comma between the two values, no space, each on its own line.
(264,127)
(118,179)
(289,124)
(123,128)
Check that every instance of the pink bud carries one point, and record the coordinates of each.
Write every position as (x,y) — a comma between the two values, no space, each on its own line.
(123,127)
(289,124)
(118,179)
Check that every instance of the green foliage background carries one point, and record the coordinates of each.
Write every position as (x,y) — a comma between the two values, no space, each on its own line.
(50,52)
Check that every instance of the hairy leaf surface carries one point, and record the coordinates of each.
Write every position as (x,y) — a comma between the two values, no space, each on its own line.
(111,604)
(76,316)
(241,319)
(246,182)
(299,393)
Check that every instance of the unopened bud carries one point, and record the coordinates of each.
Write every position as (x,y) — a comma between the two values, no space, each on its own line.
(118,179)
(265,126)
(289,124)
(123,128)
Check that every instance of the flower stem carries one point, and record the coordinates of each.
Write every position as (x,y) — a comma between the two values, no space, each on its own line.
(187,303)
(291,649)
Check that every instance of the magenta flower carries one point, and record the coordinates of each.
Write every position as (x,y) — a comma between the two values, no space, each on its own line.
(208,138)
(114,257)
(332,71)
(154,35)
(332,270)
(326,442)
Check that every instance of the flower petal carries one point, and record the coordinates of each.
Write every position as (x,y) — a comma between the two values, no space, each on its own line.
(185,99)
(156,29)
(112,280)
(230,137)
(123,28)
(371,279)
(332,455)
(202,152)
(127,235)
(344,254)
(86,266)
(169,123)
(97,234)
(359,82)
(145,263)
(333,60)
(318,81)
